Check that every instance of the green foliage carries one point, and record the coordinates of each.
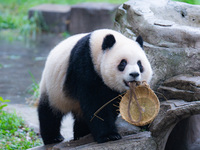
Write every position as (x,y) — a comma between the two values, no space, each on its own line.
(65,34)
(196,2)
(2,103)
(34,87)
(33,90)
(14,134)
(31,27)
(6,22)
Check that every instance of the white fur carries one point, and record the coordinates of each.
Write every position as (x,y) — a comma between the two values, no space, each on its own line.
(54,75)
(105,64)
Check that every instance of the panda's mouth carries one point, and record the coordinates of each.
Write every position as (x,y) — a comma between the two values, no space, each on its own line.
(127,83)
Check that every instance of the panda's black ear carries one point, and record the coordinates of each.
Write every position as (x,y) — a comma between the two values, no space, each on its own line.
(140,40)
(108,42)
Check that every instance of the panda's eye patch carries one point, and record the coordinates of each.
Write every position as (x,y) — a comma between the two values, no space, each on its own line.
(122,65)
(140,66)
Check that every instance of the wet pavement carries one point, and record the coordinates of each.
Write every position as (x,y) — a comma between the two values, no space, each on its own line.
(17,61)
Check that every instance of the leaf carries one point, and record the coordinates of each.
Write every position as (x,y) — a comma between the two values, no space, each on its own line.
(6,100)
(2,106)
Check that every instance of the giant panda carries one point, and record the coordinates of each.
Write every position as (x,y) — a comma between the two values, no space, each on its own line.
(81,74)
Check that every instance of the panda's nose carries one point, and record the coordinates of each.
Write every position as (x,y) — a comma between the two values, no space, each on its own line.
(134,74)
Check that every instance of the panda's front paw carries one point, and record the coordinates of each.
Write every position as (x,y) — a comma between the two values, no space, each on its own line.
(51,140)
(109,137)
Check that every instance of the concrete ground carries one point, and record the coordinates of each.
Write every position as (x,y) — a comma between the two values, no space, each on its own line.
(17,60)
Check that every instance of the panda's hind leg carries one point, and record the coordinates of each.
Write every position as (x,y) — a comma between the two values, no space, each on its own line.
(80,128)
(50,121)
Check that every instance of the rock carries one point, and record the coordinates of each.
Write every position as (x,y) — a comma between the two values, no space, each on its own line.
(55,18)
(86,17)
(171,113)
(185,87)
(194,134)
(177,139)
(184,82)
(138,141)
(171,38)
(185,135)
(124,128)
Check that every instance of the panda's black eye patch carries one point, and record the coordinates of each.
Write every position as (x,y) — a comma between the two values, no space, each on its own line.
(122,65)
(140,66)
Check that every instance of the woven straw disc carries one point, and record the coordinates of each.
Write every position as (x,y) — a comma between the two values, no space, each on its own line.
(147,100)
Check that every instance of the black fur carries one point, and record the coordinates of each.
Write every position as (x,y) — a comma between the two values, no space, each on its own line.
(140,41)
(80,127)
(108,42)
(50,121)
(122,65)
(140,66)
(83,84)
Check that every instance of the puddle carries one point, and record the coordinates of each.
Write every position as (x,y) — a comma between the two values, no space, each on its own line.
(17,60)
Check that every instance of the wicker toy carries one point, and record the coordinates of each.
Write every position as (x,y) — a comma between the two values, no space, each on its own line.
(139,106)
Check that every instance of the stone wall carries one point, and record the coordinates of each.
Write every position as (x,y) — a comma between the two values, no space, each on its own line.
(171,31)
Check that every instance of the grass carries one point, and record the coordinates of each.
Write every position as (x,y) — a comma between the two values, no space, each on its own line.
(14,133)
(34,91)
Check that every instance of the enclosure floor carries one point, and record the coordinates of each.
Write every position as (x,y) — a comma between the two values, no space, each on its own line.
(17,61)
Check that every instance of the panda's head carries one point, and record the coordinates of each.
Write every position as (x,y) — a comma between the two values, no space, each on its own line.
(119,60)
